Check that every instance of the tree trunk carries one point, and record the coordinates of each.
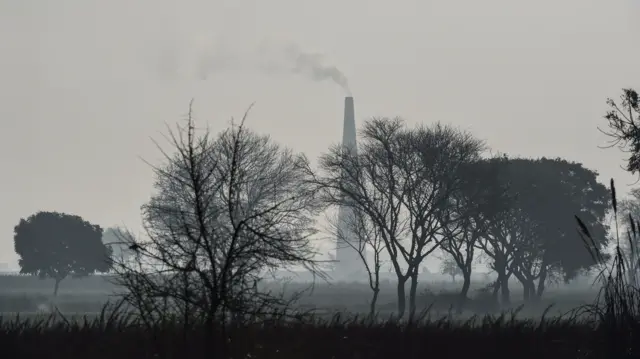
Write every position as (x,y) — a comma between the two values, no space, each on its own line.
(211,337)
(529,290)
(496,290)
(412,293)
(526,286)
(466,284)
(541,282)
(56,286)
(402,300)
(504,286)
(533,295)
(374,300)
(374,284)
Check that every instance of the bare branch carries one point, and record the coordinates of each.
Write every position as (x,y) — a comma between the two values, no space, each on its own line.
(227,211)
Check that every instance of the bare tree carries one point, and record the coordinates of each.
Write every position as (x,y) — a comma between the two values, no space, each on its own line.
(358,233)
(368,182)
(496,244)
(432,171)
(528,254)
(401,181)
(227,211)
(478,201)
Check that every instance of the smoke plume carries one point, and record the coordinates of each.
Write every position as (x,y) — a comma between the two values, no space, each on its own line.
(312,65)
(269,59)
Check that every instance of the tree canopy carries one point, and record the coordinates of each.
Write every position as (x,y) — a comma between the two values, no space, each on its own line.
(55,245)
(451,268)
(481,199)
(538,230)
(228,208)
(403,180)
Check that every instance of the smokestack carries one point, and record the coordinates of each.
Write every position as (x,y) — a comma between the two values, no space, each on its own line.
(349,130)
(349,263)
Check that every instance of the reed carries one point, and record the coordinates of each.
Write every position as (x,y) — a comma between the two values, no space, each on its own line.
(617,307)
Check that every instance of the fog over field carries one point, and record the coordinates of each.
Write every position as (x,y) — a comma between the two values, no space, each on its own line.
(360,179)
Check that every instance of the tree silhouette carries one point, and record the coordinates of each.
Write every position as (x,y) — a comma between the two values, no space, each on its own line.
(402,179)
(367,182)
(229,210)
(540,238)
(358,233)
(450,267)
(480,200)
(55,245)
(624,126)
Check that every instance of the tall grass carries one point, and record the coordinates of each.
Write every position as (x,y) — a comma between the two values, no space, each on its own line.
(617,307)
(114,336)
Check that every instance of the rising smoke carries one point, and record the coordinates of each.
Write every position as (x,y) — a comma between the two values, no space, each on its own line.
(312,65)
(269,59)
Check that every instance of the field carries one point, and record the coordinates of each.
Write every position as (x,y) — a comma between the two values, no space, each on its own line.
(79,329)
(29,295)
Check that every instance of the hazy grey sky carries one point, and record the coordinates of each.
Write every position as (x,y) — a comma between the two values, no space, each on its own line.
(84,84)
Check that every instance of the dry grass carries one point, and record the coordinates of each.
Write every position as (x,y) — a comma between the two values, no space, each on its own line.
(617,308)
(111,335)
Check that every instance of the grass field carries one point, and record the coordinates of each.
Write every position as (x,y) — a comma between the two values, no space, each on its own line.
(88,295)
(335,337)
(80,328)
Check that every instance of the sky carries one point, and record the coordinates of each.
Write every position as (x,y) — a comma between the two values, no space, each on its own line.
(85,84)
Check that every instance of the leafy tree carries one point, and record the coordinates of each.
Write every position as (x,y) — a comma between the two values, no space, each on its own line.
(450,267)
(55,245)
(494,240)
(540,238)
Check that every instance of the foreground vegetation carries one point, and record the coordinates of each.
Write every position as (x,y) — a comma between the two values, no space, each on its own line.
(86,327)
(113,332)
(119,336)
